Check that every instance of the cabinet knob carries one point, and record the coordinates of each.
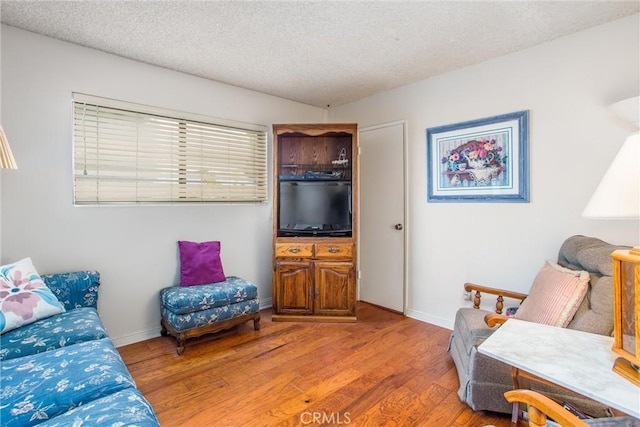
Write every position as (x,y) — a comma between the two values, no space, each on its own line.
(293,250)
(333,250)
(398,227)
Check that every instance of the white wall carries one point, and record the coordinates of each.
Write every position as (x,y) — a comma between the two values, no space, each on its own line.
(566,85)
(134,248)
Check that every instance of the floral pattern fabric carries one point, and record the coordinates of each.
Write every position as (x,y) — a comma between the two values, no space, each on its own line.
(24,298)
(127,407)
(76,289)
(41,386)
(186,300)
(71,327)
(184,322)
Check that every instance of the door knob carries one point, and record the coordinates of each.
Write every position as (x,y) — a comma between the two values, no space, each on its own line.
(398,226)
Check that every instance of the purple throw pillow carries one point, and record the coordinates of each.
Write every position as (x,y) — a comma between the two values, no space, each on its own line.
(200,263)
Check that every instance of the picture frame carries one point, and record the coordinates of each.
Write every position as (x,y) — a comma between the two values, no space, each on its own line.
(483,160)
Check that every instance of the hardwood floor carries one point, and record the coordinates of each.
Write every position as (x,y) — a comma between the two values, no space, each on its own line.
(383,370)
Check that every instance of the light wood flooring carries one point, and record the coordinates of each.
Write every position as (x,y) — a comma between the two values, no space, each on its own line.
(384,370)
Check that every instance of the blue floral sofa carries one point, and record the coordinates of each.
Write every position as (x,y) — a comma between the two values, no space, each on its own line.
(64,370)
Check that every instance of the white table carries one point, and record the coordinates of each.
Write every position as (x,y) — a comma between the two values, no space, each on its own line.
(578,361)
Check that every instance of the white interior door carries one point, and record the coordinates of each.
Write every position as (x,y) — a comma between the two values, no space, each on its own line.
(382,215)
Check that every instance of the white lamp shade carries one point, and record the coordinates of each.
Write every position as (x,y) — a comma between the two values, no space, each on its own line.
(618,194)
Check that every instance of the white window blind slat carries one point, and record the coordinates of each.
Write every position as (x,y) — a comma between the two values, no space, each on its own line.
(136,154)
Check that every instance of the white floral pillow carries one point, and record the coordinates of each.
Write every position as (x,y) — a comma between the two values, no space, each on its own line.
(24,298)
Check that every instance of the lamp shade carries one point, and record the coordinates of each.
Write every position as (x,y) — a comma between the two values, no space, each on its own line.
(6,157)
(618,194)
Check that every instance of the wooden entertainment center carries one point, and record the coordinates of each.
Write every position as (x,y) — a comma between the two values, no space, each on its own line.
(315,206)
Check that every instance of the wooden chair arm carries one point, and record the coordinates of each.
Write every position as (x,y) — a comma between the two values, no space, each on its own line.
(501,293)
(541,406)
(494,291)
(493,319)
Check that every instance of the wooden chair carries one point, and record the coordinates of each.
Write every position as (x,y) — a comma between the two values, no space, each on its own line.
(540,407)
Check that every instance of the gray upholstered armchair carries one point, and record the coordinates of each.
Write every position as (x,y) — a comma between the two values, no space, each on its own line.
(483,380)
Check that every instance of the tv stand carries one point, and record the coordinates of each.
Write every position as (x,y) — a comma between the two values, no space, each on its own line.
(314,265)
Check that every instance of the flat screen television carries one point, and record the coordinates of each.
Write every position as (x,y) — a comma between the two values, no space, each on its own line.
(314,208)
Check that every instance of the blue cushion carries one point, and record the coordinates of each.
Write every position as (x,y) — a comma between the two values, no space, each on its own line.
(184,322)
(41,386)
(189,299)
(70,327)
(76,289)
(127,407)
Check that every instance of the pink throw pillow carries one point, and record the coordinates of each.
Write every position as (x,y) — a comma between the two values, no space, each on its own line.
(555,295)
(200,263)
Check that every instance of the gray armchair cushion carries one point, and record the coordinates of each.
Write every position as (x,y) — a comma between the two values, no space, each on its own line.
(472,328)
(587,253)
(595,314)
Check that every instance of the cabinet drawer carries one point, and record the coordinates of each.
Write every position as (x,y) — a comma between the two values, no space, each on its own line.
(292,250)
(329,250)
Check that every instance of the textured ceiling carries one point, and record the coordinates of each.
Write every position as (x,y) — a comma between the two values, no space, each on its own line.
(315,52)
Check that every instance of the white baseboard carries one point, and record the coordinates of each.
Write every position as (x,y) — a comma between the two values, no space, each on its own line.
(155,332)
(136,337)
(266,303)
(424,317)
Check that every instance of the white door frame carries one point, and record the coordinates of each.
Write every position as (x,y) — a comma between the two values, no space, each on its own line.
(406,227)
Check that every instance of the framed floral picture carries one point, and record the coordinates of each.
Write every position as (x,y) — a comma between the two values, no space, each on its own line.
(484,160)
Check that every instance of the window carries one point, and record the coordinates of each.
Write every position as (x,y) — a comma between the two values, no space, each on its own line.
(131,153)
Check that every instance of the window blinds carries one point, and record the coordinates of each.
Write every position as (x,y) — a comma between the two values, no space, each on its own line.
(131,153)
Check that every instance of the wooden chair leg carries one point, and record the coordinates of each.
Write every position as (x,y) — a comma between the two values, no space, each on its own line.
(181,340)
(163,329)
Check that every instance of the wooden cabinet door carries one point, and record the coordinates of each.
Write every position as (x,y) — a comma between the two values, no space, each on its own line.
(294,288)
(335,289)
